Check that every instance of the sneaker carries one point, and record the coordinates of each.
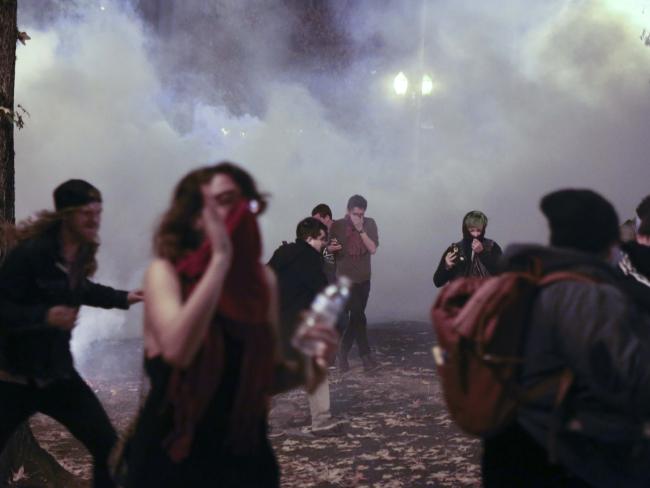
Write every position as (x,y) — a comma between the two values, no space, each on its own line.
(331,428)
(275,433)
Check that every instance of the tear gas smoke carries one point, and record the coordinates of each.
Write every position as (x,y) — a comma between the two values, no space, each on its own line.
(525,99)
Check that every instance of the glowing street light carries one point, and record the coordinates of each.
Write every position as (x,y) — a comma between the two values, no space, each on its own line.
(401,84)
(427,85)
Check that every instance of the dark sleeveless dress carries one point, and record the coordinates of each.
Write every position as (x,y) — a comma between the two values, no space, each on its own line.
(210,463)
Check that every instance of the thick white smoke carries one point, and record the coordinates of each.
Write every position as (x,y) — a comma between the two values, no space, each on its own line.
(527,99)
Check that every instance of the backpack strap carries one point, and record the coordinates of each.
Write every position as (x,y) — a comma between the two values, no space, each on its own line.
(561,381)
(558,276)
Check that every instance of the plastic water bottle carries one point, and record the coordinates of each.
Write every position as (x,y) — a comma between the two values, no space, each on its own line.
(325,309)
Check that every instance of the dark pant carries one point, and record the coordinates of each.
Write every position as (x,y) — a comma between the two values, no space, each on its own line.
(512,459)
(70,402)
(355,314)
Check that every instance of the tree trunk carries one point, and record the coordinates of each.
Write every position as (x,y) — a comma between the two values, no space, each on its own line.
(8,30)
(23,463)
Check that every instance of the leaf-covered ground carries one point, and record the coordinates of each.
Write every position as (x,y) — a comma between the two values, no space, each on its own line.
(398,433)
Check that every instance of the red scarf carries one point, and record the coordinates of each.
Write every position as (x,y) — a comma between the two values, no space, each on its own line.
(244,303)
(353,242)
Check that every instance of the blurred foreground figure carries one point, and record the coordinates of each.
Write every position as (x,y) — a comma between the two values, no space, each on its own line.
(359,239)
(594,330)
(43,282)
(211,343)
(474,255)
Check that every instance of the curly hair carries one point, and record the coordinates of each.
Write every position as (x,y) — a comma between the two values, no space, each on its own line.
(176,233)
(43,223)
(7,238)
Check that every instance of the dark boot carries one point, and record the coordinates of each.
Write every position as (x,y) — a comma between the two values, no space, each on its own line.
(369,363)
(344,366)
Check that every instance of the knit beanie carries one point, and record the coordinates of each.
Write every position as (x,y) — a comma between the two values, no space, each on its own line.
(580,219)
(75,193)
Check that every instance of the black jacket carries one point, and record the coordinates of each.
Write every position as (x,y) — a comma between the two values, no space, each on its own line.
(32,280)
(598,332)
(299,268)
(489,258)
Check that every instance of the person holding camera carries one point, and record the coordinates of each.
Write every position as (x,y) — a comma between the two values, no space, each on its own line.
(323,213)
(474,255)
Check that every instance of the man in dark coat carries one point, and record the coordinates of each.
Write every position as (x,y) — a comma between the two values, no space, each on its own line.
(474,255)
(299,268)
(594,330)
(43,282)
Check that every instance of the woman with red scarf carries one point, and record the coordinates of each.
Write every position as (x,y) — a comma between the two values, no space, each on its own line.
(211,350)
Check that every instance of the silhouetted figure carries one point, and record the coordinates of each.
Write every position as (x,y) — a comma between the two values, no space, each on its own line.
(595,331)
(43,282)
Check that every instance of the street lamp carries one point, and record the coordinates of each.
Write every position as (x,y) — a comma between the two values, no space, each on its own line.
(427,85)
(401,84)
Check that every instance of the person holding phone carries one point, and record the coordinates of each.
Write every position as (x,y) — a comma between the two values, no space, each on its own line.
(473,255)
(323,213)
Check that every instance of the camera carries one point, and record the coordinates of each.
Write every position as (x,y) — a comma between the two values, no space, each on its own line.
(455,249)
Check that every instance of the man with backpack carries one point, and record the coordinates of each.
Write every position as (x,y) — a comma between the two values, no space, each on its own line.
(588,431)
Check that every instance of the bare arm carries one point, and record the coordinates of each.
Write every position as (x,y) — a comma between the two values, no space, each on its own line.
(178,329)
(369,243)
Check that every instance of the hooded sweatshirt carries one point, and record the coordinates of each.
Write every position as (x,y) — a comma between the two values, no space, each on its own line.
(489,258)
(299,268)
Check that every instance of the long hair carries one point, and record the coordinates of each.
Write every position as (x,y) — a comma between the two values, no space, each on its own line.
(7,238)
(176,233)
(44,223)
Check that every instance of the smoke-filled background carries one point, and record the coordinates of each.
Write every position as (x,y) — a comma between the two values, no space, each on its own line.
(526,97)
